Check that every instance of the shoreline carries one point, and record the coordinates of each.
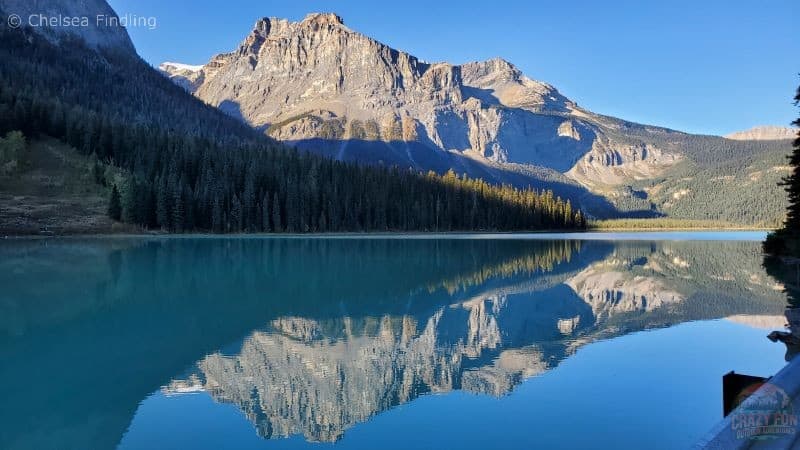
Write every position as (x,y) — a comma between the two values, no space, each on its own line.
(590,234)
(651,229)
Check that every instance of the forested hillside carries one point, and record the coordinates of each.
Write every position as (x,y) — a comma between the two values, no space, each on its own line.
(737,188)
(718,180)
(190,167)
(785,241)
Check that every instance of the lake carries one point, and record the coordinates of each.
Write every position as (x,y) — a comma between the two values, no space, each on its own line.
(465,341)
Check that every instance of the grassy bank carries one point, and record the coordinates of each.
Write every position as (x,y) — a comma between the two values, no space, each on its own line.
(53,189)
(669,224)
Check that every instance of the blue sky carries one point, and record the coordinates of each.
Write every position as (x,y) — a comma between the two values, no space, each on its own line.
(702,66)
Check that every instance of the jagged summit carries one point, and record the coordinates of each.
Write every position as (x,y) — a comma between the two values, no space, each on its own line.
(323,19)
(496,65)
(276,27)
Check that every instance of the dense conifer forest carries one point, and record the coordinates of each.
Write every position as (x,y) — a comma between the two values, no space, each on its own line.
(189,167)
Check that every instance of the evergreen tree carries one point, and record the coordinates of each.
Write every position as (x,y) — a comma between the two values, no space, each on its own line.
(178,213)
(786,241)
(114,204)
(277,226)
(217,221)
(12,150)
(236,218)
(265,214)
(162,206)
(792,182)
(130,202)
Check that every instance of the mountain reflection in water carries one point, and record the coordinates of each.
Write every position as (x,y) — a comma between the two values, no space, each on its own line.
(313,336)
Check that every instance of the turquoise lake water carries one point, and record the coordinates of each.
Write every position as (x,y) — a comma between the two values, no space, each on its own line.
(598,340)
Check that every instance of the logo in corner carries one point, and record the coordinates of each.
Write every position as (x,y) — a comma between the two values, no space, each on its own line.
(14,21)
(766,413)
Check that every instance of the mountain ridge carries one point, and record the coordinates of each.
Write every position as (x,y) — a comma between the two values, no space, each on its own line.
(764,133)
(322,87)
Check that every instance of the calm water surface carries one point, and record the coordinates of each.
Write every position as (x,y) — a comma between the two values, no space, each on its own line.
(617,340)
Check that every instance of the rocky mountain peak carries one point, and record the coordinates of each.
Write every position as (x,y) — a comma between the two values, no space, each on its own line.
(322,19)
(496,67)
(313,31)
(278,27)
(270,25)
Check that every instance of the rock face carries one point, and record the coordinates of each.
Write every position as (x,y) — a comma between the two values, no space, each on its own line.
(318,378)
(764,133)
(98,25)
(609,290)
(276,377)
(184,75)
(318,84)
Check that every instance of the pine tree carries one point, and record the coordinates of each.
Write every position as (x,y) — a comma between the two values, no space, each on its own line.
(236,217)
(114,204)
(276,214)
(130,202)
(792,182)
(217,221)
(568,213)
(265,214)
(786,241)
(97,172)
(178,216)
(162,206)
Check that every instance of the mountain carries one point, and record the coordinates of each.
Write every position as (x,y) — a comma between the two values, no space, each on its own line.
(180,165)
(93,21)
(764,133)
(321,86)
(184,75)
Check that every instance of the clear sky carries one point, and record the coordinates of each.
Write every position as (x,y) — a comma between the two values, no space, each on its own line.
(703,66)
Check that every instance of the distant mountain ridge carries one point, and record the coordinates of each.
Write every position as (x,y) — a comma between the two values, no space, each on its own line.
(764,132)
(321,86)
